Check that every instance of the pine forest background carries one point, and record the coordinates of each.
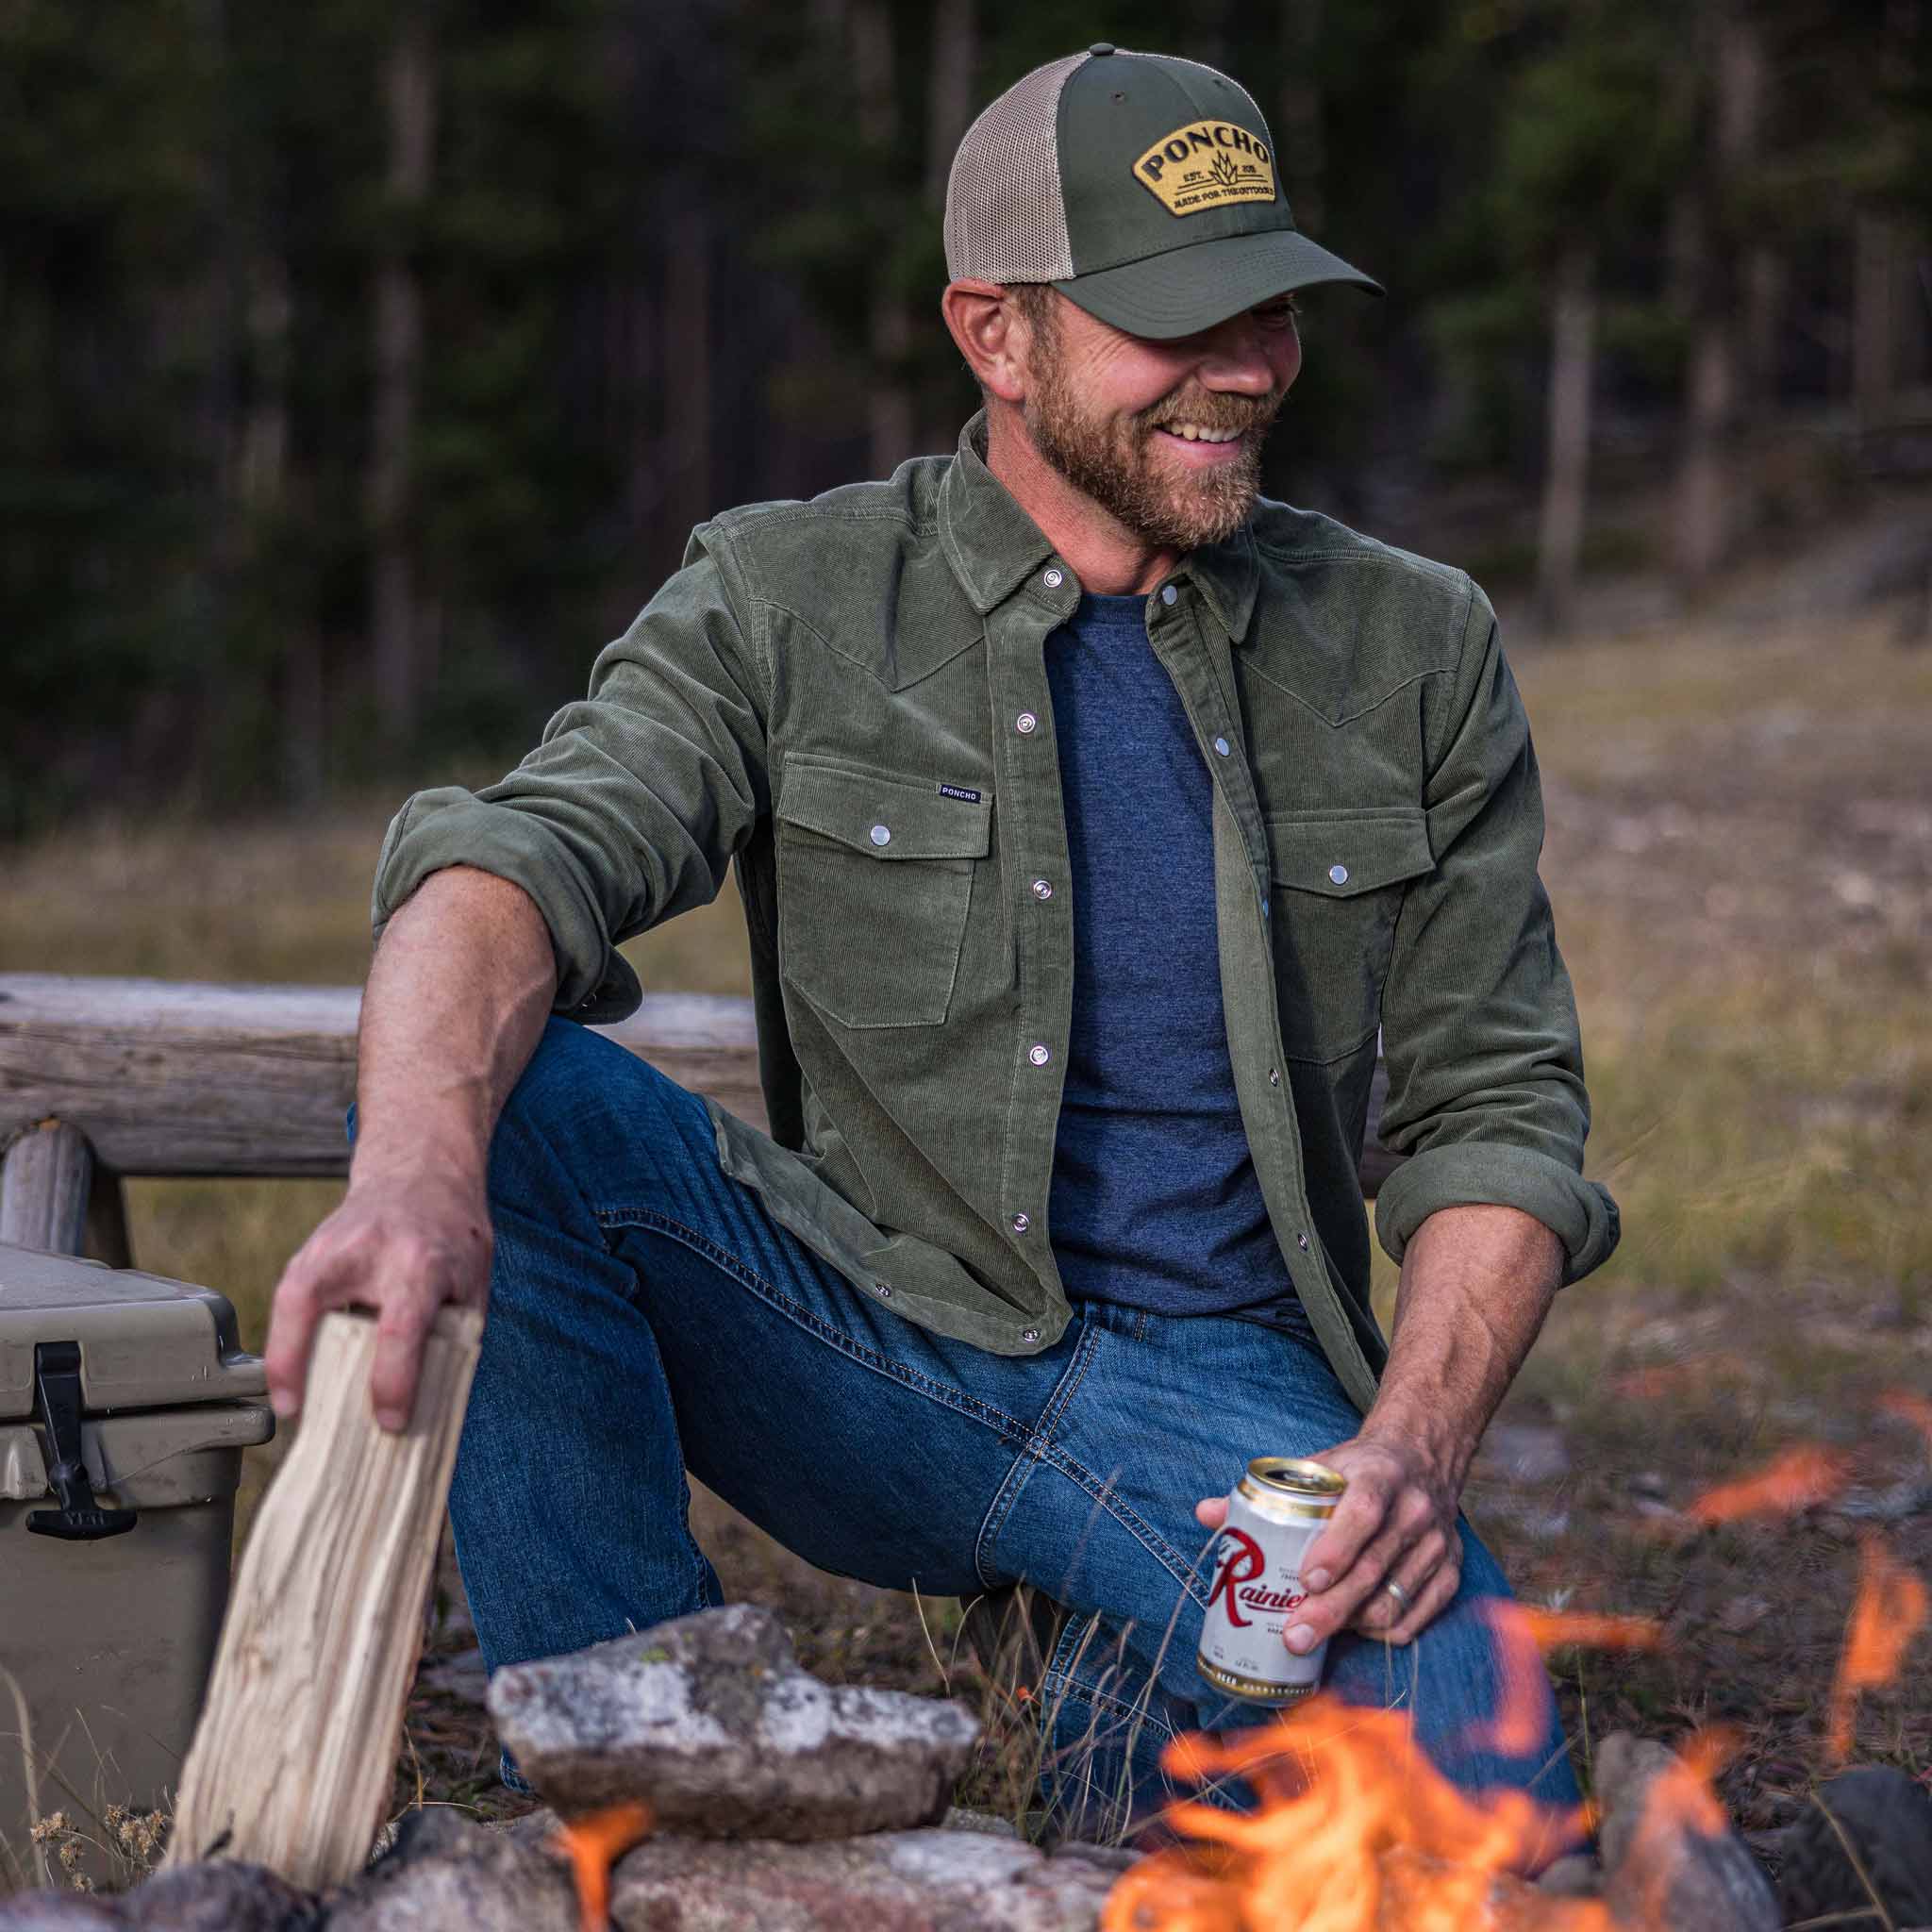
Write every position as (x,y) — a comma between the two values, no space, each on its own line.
(363,367)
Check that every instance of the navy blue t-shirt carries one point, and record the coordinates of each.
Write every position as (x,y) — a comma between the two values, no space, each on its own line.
(1154,1204)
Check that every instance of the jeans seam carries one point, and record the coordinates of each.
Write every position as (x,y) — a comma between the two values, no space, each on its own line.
(1104,1494)
(1027,1461)
(748,1277)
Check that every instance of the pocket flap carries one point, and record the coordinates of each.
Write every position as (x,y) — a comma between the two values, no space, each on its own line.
(1340,854)
(887,817)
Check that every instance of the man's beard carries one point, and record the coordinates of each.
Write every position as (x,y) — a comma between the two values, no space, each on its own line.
(1118,463)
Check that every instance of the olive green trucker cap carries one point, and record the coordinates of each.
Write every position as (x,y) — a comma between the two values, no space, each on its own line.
(1143,186)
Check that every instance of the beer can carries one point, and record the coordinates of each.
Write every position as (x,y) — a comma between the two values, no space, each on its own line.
(1276,1510)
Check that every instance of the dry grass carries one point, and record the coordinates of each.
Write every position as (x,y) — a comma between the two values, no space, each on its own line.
(1740,854)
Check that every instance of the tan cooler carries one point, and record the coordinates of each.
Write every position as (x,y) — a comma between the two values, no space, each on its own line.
(126,1401)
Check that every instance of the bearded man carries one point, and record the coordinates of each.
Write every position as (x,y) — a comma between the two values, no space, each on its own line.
(1092,814)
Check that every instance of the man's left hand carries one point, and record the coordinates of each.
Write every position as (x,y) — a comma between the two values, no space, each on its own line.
(1395,1524)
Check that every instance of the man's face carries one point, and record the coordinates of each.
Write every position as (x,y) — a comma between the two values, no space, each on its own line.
(1165,437)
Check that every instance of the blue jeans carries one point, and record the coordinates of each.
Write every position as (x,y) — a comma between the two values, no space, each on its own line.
(647,1316)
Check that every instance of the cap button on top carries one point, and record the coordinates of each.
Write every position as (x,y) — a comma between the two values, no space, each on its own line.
(1100,47)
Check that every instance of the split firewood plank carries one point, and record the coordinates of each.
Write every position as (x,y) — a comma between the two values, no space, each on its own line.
(173,1077)
(292,1759)
(45,1178)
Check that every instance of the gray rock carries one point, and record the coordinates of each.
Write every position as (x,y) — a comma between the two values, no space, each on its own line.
(1575,1875)
(1660,1869)
(446,1875)
(1525,1452)
(911,1881)
(709,1720)
(58,1911)
(217,1895)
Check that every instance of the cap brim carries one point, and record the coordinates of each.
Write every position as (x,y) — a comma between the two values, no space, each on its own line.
(1186,290)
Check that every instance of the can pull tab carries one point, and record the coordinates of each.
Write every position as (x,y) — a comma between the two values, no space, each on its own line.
(56,1409)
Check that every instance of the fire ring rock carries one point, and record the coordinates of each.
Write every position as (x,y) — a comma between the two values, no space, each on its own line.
(710,1721)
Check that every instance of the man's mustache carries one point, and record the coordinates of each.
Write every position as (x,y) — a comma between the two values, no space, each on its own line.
(1209,410)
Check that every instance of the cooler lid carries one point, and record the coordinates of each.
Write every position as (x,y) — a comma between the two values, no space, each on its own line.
(145,1342)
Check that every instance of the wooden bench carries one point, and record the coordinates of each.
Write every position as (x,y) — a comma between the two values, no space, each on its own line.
(105,1079)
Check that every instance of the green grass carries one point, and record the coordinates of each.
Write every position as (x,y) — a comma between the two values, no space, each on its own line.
(1741,858)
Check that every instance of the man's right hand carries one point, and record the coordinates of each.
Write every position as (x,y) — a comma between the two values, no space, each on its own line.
(402,1244)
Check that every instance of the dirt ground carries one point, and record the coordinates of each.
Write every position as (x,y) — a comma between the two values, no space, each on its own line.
(1740,855)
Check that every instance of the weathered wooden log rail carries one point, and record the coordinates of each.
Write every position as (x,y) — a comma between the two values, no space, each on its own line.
(105,1079)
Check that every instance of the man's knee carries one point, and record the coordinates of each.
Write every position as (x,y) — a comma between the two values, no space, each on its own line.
(581,1097)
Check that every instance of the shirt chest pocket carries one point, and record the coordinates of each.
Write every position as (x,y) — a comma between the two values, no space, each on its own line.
(876,876)
(1338,879)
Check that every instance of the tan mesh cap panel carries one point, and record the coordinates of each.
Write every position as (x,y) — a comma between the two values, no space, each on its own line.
(1006,216)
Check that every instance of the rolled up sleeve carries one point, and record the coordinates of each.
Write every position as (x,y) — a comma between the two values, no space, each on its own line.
(1486,1092)
(631,807)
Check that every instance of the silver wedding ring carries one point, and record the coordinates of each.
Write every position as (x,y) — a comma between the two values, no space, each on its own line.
(1401,1595)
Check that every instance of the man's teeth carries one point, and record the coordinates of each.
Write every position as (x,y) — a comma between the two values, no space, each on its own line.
(1192,432)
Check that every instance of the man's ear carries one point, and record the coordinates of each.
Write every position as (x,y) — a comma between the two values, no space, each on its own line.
(991,334)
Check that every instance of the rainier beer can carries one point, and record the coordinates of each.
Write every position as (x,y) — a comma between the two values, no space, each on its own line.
(1277,1509)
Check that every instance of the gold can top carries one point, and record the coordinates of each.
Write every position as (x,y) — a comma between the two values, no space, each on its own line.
(1295,1475)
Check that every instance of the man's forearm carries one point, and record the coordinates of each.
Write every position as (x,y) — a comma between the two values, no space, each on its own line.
(457,996)
(1476,1284)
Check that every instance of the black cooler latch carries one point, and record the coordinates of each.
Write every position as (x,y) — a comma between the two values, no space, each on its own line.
(57,1409)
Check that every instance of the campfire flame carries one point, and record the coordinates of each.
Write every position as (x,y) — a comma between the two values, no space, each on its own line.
(1889,1611)
(1357,1831)
(593,1842)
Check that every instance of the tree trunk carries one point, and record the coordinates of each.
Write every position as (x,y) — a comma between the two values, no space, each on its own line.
(1874,309)
(409,93)
(952,90)
(1299,144)
(888,333)
(1709,512)
(687,362)
(1566,468)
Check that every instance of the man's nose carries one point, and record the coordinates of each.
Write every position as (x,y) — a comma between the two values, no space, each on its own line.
(1238,361)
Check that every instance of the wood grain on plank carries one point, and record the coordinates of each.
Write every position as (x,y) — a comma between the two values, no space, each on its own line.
(46,1177)
(168,1077)
(292,1761)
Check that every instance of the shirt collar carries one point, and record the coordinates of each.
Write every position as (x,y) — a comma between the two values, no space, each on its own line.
(993,545)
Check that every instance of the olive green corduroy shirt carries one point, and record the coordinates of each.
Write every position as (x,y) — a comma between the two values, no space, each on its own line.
(848,696)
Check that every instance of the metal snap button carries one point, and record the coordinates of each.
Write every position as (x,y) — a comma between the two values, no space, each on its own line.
(1042,889)
(883,1290)
(1053,579)
(1339,873)
(1274,1076)
(1039,1054)
(1022,1223)
(1221,745)
(1025,722)
(1264,909)
(1168,593)
(1301,1241)
(881,835)
(1029,1335)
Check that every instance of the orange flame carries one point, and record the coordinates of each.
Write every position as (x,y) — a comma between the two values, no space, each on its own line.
(1909,1409)
(1357,1831)
(1524,1635)
(1889,1611)
(593,1842)
(1796,1480)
